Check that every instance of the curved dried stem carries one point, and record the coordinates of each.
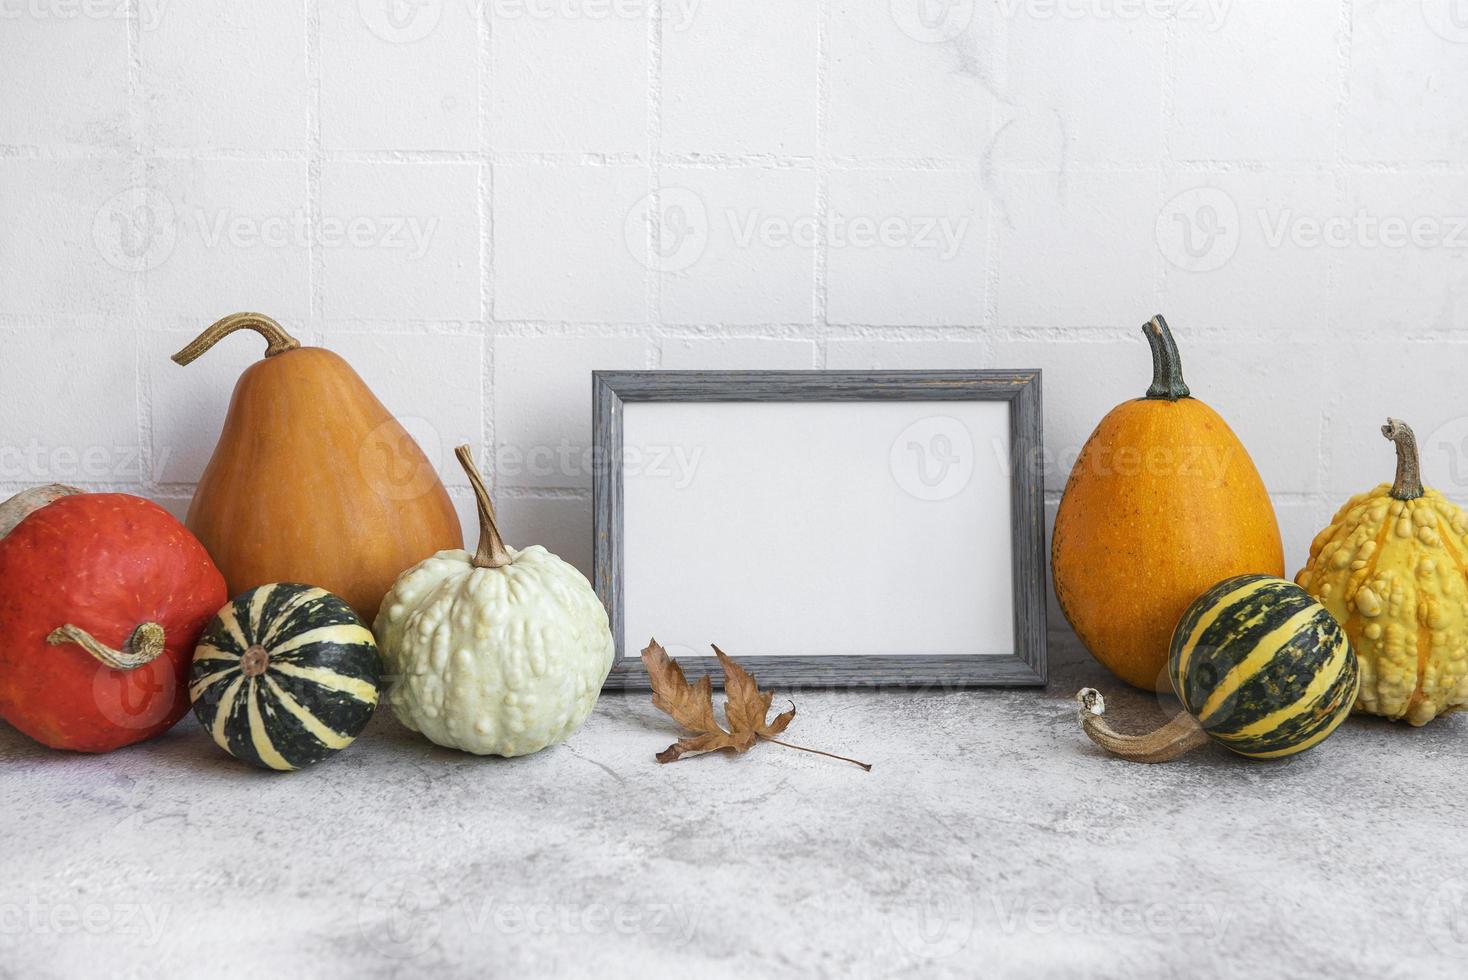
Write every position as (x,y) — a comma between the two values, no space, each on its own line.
(492,552)
(277,340)
(1167,363)
(1408,484)
(143,646)
(1181,734)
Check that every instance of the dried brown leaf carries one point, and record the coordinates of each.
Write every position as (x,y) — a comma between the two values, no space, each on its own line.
(746,708)
(690,705)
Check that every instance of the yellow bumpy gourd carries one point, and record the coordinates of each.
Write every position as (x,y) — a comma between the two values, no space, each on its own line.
(1392,567)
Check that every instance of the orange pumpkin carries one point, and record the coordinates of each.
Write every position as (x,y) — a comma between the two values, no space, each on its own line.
(312,480)
(1163,502)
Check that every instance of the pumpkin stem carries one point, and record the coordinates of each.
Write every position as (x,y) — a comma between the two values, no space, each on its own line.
(1181,734)
(143,646)
(1408,485)
(1167,364)
(492,552)
(278,340)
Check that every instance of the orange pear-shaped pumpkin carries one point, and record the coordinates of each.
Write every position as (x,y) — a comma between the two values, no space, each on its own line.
(1163,503)
(312,480)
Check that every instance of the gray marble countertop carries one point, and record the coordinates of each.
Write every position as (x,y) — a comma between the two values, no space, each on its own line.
(990,838)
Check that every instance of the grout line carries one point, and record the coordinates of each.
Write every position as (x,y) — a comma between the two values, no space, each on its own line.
(1168,169)
(999,81)
(711,161)
(138,170)
(316,255)
(820,255)
(652,278)
(484,66)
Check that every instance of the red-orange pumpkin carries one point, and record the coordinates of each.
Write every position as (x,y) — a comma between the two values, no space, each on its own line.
(102,597)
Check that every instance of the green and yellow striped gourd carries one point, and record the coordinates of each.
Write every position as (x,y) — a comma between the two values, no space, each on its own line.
(1261,668)
(285,675)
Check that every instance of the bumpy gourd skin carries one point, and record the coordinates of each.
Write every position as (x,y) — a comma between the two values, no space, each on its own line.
(1393,573)
(494,661)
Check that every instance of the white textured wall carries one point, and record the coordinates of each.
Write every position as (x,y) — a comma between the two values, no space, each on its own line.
(454,194)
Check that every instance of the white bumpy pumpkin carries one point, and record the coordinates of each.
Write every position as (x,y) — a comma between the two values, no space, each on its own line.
(502,652)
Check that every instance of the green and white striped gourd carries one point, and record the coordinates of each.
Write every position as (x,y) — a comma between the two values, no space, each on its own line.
(285,675)
(1260,666)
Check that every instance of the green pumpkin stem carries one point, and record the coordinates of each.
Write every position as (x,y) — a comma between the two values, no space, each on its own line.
(1408,485)
(1167,364)
(143,646)
(492,552)
(277,340)
(1180,735)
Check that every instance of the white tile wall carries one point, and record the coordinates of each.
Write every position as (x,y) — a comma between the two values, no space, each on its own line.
(479,201)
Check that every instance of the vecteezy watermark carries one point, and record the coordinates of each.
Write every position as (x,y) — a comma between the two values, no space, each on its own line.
(406,233)
(36,463)
(923,232)
(933,458)
(565,459)
(138,229)
(404,915)
(932,21)
(139,920)
(669,230)
(1448,19)
(1198,230)
(150,12)
(678,15)
(1362,229)
(1210,13)
(937,917)
(1206,920)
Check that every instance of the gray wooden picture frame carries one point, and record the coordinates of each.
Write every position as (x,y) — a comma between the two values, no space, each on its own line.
(1021,389)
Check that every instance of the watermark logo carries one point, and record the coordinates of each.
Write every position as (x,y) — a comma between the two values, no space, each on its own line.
(932,21)
(1447,446)
(135,230)
(400,458)
(668,230)
(1198,230)
(135,699)
(401,21)
(936,919)
(402,916)
(1445,918)
(1448,19)
(933,458)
